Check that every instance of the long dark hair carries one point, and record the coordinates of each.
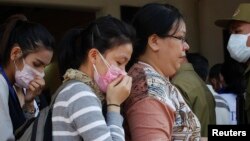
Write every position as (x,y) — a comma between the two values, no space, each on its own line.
(28,35)
(102,34)
(153,19)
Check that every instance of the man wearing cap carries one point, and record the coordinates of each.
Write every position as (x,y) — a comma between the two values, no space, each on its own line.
(239,42)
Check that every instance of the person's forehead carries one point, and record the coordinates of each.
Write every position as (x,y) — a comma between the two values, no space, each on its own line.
(120,50)
(42,55)
(179,26)
(237,24)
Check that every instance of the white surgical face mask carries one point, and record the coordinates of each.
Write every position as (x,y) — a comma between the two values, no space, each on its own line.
(26,75)
(237,47)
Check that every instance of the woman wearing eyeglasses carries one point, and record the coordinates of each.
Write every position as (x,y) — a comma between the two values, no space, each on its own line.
(155,109)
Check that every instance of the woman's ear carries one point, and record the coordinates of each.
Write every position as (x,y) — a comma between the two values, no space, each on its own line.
(153,42)
(16,52)
(92,55)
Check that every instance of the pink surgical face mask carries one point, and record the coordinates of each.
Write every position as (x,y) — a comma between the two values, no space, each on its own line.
(104,80)
(26,75)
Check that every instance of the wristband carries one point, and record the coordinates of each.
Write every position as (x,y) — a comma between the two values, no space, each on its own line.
(116,105)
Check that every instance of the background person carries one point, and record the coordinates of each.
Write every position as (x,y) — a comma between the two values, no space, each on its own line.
(238,45)
(26,48)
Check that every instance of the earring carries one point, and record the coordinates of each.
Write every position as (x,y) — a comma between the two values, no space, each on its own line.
(20,55)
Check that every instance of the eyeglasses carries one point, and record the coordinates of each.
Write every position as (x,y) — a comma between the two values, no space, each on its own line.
(182,39)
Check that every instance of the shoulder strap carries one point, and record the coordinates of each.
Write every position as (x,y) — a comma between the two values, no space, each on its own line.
(47,127)
(45,114)
(48,123)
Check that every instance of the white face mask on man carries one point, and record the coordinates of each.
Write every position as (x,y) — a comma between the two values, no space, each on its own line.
(237,47)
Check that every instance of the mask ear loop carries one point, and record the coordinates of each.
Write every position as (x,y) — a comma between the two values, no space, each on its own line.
(95,69)
(24,63)
(16,65)
(104,60)
(92,40)
(19,55)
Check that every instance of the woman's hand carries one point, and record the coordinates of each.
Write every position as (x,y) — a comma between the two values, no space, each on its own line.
(35,89)
(119,90)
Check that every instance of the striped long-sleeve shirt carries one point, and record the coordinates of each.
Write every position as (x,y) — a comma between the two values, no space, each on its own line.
(221,108)
(77,115)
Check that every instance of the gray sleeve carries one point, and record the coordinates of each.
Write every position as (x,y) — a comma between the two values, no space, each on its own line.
(114,122)
(85,115)
(6,129)
(92,125)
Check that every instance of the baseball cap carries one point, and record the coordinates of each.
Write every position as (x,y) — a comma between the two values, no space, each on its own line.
(242,13)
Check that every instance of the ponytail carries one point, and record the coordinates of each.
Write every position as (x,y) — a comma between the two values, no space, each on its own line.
(28,35)
(6,31)
(70,49)
(102,34)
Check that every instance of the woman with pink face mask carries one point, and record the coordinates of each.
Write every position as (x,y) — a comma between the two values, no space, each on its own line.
(25,50)
(92,62)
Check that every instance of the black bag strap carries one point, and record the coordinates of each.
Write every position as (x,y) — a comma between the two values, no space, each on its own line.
(48,127)
(48,123)
(33,135)
(20,131)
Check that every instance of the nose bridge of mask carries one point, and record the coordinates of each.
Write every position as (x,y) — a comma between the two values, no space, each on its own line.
(237,47)
(244,36)
(234,38)
(15,65)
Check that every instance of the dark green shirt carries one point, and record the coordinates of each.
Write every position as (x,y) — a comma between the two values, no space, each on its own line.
(197,95)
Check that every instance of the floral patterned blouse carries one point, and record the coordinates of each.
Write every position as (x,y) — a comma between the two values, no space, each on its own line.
(155,109)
